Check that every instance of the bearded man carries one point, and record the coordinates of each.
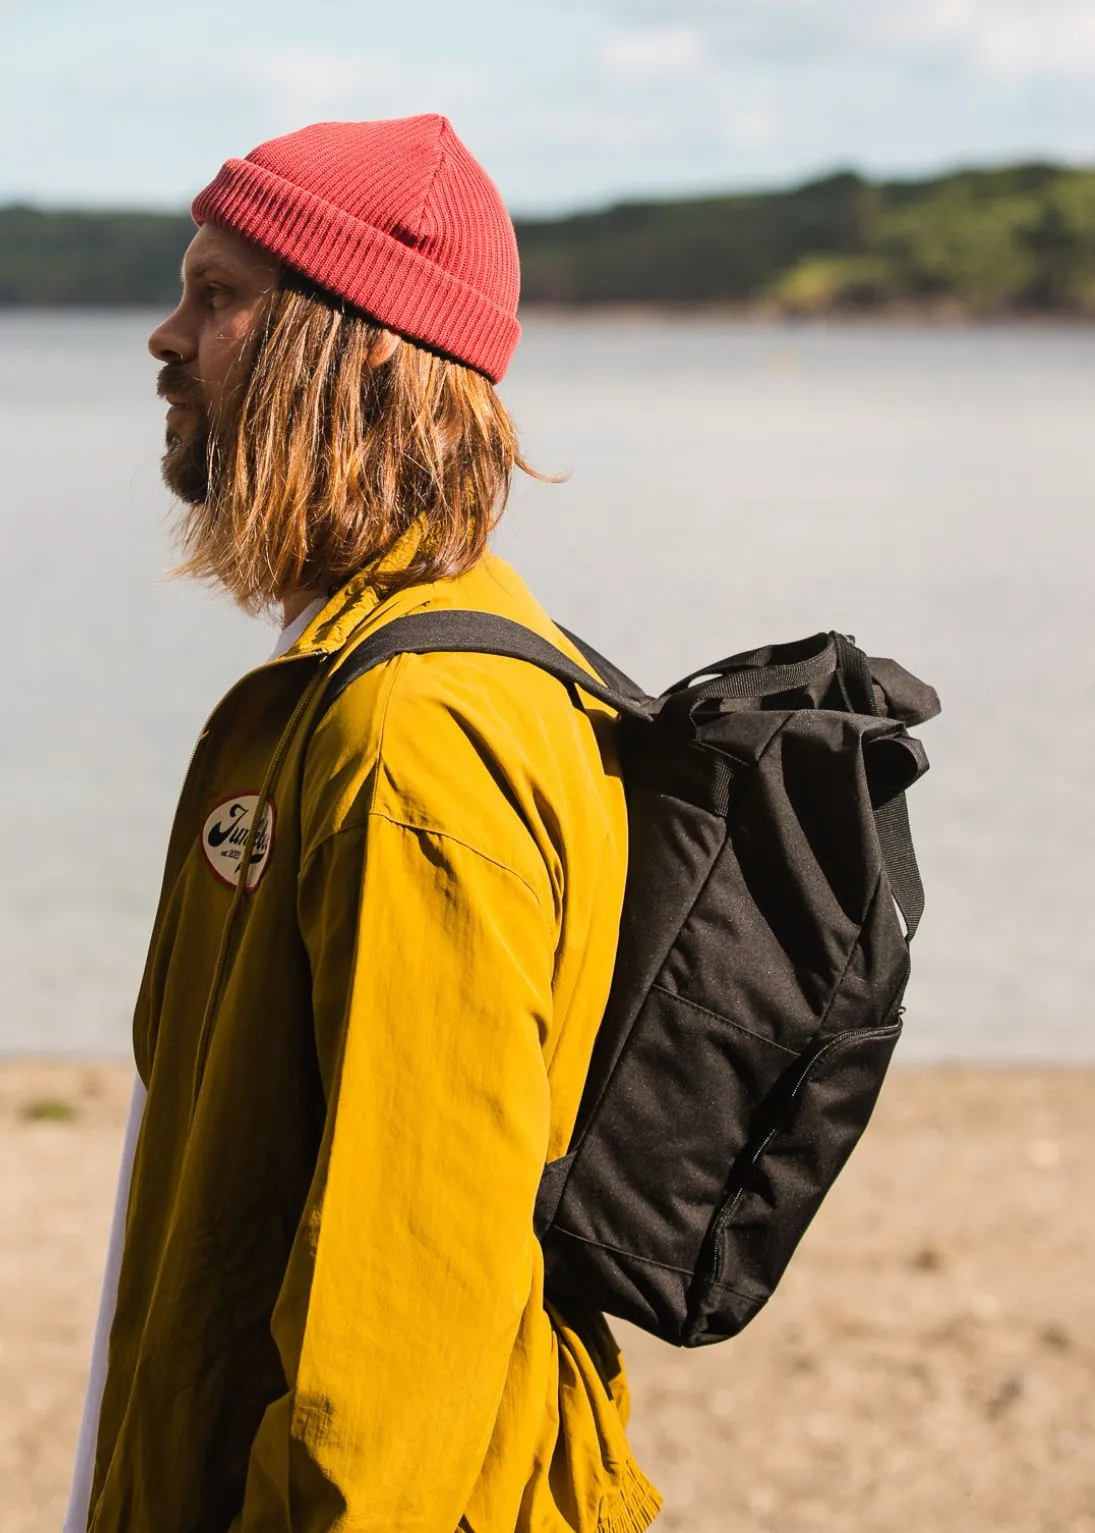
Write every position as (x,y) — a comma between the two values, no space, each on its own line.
(386,935)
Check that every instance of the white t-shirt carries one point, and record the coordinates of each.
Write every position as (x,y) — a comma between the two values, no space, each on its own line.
(80,1494)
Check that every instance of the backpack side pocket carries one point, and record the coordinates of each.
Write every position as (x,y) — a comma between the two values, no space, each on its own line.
(814,1121)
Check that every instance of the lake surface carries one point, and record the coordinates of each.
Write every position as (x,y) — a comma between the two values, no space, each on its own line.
(928,490)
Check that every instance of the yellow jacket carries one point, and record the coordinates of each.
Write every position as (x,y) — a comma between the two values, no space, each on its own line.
(330,1312)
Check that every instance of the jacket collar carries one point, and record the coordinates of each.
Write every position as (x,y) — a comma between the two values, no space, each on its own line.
(355,600)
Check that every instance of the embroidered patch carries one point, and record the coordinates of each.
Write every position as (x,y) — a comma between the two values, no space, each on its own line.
(224,836)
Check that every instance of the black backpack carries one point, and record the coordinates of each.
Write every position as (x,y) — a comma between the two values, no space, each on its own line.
(756,997)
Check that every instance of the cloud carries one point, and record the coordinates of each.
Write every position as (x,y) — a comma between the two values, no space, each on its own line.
(1011,39)
(1058,44)
(653,53)
(752,129)
(568,102)
(302,85)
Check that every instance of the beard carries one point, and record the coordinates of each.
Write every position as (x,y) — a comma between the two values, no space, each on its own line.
(189,462)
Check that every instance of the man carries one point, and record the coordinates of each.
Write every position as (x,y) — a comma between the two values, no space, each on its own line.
(385,938)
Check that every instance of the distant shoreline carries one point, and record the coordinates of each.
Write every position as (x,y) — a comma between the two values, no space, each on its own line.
(1016,240)
(940,317)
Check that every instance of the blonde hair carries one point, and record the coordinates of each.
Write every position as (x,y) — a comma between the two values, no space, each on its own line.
(330,460)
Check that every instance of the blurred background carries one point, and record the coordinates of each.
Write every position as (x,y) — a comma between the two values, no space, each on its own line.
(809,291)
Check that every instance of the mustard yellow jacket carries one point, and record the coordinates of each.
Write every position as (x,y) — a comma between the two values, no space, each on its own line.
(330,1312)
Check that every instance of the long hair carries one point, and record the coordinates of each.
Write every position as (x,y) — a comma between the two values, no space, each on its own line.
(328,460)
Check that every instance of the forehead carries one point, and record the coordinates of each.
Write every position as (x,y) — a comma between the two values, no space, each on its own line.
(213,248)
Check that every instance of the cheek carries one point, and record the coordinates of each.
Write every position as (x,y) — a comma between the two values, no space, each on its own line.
(221,364)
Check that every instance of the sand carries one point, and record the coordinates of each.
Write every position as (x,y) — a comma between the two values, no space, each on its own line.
(928,1364)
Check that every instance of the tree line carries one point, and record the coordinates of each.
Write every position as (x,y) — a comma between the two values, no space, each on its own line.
(981,242)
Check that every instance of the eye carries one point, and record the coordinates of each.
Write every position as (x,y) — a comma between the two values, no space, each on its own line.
(214,295)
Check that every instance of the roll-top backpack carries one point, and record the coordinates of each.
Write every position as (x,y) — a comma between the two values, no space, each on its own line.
(772,891)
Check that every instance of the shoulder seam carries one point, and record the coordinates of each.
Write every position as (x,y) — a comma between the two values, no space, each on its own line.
(424,830)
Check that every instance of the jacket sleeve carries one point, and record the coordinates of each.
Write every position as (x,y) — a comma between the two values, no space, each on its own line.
(415,1258)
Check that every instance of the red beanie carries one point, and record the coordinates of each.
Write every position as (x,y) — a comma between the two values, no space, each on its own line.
(395,217)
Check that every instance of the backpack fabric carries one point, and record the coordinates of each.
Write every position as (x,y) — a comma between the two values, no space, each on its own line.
(772,892)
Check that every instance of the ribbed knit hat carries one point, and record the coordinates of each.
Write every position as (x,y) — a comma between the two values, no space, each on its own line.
(396,217)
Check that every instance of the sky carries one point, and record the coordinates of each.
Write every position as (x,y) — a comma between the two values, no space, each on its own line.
(569,103)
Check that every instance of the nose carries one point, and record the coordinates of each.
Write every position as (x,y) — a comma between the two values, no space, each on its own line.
(171,342)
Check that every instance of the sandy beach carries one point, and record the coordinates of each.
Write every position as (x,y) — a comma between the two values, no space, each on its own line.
(928,1363)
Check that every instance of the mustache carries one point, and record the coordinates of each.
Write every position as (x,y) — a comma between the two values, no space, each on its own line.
(174,382)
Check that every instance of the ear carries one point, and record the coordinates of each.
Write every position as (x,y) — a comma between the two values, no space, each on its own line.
(383,348)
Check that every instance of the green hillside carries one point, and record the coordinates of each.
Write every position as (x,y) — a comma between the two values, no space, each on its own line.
(985,241)
(1021,239)
(90,258)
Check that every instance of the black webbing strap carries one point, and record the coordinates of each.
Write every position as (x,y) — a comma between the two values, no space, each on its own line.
(853,672)
(895,840)
(482,633)
(754,675)
(892,818)
(610,674)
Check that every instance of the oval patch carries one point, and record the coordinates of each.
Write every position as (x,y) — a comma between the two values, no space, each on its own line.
(224,836)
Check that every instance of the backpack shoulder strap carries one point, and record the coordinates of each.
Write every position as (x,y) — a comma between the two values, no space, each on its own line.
(484,633)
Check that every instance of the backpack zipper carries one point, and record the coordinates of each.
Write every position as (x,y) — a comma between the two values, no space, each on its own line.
(713,1266)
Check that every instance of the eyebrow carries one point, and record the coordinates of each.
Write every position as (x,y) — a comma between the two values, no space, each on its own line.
(204,268)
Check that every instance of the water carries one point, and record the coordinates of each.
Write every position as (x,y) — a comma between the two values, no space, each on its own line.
(926,490)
